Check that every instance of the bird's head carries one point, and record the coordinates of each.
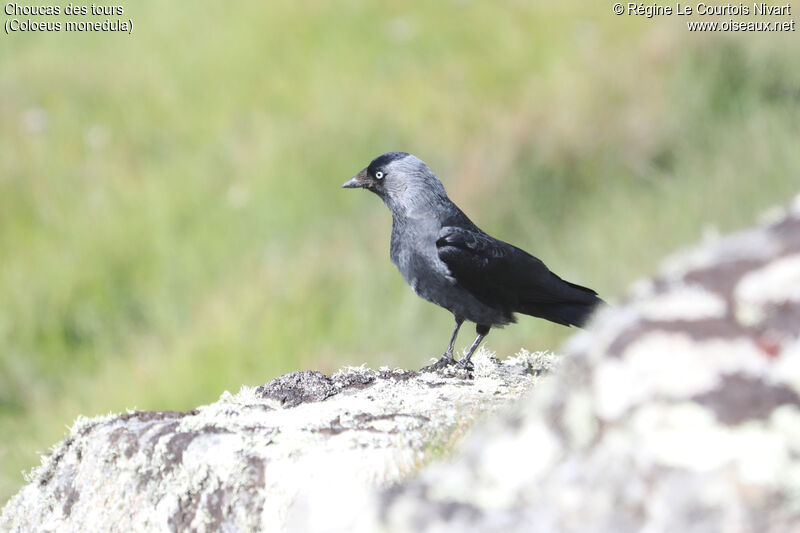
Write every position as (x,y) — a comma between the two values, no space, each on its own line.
(403,181)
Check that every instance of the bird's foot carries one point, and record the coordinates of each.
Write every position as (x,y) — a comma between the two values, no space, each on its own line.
(466,365)
(445,361)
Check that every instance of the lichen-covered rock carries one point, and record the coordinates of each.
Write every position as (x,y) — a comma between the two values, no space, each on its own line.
(678,410)
(241,463)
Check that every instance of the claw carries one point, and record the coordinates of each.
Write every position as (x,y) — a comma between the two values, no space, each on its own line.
(465,364)
(443,362)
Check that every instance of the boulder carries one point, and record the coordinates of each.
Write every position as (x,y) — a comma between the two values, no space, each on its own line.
(678,409)
(240,464)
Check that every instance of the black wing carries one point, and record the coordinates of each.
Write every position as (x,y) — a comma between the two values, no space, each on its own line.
(506,277)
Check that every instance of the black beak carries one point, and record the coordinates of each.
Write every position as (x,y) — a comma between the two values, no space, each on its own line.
(357,182)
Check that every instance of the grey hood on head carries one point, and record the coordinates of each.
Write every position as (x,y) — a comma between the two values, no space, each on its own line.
(403,181)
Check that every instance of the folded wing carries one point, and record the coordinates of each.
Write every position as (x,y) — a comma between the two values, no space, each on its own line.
(508,278)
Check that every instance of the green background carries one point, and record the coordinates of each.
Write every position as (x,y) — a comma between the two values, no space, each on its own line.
(171,222)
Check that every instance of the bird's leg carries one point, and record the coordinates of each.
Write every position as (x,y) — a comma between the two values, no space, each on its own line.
(447,357)
(465,362)
(449,352)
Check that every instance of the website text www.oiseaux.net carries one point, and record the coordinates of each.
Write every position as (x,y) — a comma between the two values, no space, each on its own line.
(741,25)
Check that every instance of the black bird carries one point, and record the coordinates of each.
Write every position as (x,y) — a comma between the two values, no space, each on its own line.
(449,261)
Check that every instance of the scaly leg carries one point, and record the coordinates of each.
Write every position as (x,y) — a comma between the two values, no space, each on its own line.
(465,362)
(447,357)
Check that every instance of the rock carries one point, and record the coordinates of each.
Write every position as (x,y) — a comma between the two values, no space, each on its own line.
(677,410)
(241,463)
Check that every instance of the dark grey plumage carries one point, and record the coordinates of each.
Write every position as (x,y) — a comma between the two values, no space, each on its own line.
(449,261)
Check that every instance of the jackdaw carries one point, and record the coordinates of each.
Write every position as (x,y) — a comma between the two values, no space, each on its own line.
(449,261)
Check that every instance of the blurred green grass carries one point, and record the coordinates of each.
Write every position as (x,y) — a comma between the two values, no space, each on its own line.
(170,219)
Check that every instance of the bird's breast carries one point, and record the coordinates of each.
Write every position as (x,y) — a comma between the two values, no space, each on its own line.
(421,267)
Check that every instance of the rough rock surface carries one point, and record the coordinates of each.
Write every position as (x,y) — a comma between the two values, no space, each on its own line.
(241,463)
(678,410)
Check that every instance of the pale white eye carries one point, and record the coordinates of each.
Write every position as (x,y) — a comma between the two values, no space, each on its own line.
(379,175)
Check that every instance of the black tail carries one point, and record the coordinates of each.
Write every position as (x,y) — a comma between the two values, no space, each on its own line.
(573,309)
(568,314)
